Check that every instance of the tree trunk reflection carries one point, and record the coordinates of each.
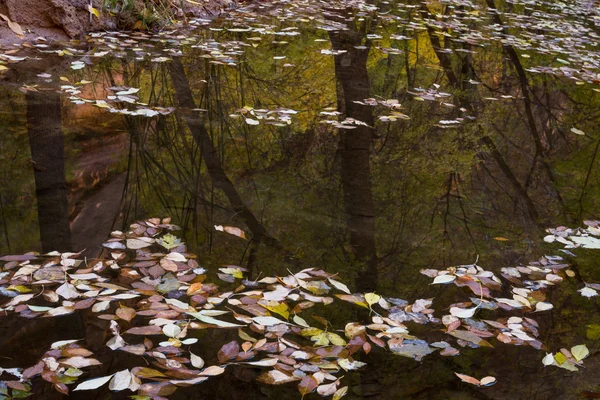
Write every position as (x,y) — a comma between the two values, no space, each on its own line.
(44,128)
(355,150)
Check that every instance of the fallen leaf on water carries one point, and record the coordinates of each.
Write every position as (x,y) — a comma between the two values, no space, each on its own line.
(341,392)
(307,385)
(372,298)
(487,381)
(228,352)
(93,383)
(196,361)
(232,230)
(213,370)
(120,381)
(580,352)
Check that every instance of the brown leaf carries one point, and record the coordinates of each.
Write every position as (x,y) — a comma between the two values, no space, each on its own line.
(275,377)
(77,351)
(33,371)
(213,370)
(307,385)
(468,379)
(229,351)
(144,372)
(17,385)
(125,313)
(145,330)
(157,389)
(168,265)
(232,230)
(84,304)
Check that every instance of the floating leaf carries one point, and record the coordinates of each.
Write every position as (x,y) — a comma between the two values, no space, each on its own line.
(213,370)
(228,351)
(468,379)
(267,321)
(372,298)
(548,359)
(276,377)
(232,230)
(120,381)
(441,279)
(488,381)
(543,306)
(588,292)
(171,330)
(213,321)
(307,385)
(93,383)
(196,361)
(463,312)
(339,285)
(341,392)
(580,352)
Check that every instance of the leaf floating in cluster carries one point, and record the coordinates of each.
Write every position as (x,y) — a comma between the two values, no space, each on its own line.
(169,288)
(94,383)
(580,352)
(442,279)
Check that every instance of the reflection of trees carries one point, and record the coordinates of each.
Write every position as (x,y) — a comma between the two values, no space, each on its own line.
(431,187)
(355,149)
(48,157)
(209,154)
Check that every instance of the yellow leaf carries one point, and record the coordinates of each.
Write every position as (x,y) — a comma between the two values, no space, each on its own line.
(243,335)
(352,299)
(320,339)
(501,239)
(580,352)
(341,392)
(92,10)
(336,339)
(20,288)
(235,272)
(560,358)
(278,308)
(310,332)
(300,321)
(372,298)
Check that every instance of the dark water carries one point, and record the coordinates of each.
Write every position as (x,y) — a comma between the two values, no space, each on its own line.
(371,140)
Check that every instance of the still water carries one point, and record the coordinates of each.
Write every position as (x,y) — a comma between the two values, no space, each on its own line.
(370,140)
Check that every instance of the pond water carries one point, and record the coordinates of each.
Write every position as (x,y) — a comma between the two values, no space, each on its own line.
(371,140)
